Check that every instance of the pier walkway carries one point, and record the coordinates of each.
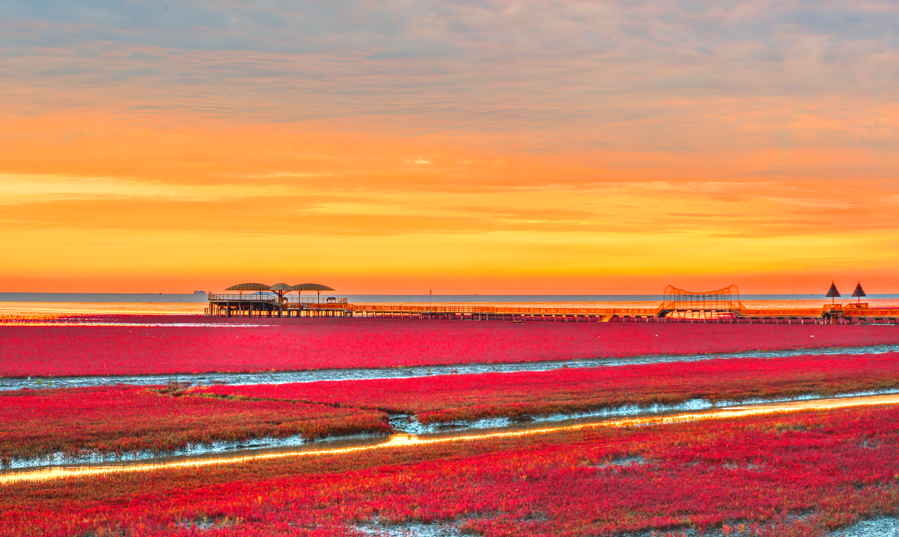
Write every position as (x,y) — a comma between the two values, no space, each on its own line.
(263,306)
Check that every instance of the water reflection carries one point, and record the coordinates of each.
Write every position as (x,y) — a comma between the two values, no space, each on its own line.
(315,375)
(402,441)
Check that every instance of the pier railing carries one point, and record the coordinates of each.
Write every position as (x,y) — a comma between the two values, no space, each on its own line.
(507,309)
(269,297)
(775,312)
(314,306)
(254,297)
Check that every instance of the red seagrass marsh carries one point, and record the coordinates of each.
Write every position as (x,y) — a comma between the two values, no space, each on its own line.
(569,391)
(619,431)
(801,474)
(121,419)
(264,345)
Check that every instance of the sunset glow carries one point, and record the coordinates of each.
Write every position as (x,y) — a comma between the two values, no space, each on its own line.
(540,148)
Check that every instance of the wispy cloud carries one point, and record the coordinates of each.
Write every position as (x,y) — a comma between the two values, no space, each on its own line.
(45,188)
(664,72)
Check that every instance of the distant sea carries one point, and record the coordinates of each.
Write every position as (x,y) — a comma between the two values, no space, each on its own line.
(150,298)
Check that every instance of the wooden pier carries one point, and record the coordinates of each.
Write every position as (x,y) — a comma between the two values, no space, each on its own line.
(528,313)
(263,306)
(260,305)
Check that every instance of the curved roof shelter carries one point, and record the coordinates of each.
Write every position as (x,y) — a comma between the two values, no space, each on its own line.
(249,287)
(280,289)
(310,287)
(317,287)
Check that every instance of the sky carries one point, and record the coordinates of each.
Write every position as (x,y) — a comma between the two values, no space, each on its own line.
(490,147)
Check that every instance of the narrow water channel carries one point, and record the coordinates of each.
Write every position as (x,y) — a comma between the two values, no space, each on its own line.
(401,441)
(285,377)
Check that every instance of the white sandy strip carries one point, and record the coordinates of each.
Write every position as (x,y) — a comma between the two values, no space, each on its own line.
(403,440)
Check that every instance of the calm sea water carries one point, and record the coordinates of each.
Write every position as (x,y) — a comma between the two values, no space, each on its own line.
(28,304)
(150,298)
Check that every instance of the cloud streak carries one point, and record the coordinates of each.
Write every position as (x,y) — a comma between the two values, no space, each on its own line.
(493,67)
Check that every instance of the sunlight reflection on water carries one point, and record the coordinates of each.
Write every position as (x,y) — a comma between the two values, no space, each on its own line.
(316,375)
(406,441)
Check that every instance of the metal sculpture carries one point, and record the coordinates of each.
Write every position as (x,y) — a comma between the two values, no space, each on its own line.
(682,303)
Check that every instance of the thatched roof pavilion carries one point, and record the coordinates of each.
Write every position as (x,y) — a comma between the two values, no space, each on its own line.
(832,293)
(859,292)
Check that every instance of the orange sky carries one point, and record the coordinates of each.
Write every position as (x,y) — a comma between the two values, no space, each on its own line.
(506,148)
